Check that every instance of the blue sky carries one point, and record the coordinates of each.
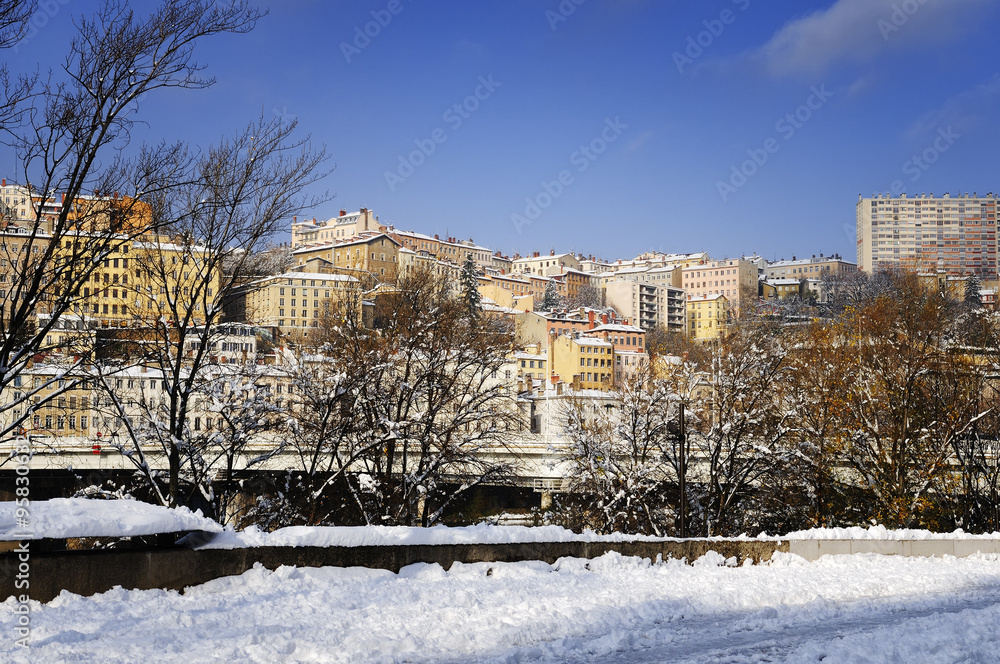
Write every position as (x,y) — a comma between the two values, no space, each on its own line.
(609,127)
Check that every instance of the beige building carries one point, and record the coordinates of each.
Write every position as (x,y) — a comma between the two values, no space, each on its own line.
(345,225)
(816,267)
(15,203)
(294,302)
(954,234)
(649,305)
(449,249)
(734,279)
(374,254)
(550,264)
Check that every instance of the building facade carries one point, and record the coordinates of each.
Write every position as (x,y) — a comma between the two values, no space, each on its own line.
(954,234)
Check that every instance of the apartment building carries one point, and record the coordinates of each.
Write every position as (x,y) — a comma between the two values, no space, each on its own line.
(784,289)
(585,362)
(537,327)
(707,316)
(449,249)
(143,280)
(531,364)
(15,203)
(343,226)
(649,305)
(294,302)
(954,234)
(374,254)
(815,267)
(550,264)
(734,279)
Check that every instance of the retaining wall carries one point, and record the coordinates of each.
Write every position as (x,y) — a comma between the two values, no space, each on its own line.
(95,571)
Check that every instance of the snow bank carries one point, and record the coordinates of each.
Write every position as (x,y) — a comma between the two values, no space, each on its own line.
(81,517)
(879,533)
(400,535)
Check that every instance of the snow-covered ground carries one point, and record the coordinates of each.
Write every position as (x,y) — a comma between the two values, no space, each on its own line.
(861,608)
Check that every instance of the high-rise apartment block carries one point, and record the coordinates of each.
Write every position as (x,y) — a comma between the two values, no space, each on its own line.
(953,234)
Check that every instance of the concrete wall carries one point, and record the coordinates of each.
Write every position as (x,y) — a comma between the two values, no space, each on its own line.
(95,571)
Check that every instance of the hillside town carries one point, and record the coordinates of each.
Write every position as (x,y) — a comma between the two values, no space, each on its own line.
(174,358)
(554,331)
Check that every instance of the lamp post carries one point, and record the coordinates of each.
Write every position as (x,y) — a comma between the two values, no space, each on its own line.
(682,471)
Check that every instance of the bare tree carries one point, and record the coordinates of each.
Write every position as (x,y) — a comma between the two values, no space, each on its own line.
(742,424)
(242,192)
(430,404)
(14,16)
(69,132)
(620,469)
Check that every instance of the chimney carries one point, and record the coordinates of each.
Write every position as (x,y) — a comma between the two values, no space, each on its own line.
(343,213)
(559,388)
(295,219)
(590,317)
(552,252)
(436,237)
(4,182)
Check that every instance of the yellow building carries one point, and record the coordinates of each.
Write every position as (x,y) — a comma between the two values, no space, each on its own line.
(783,289)
(294,302)
(375,254)
(145,280)
(584,362)
(707,316)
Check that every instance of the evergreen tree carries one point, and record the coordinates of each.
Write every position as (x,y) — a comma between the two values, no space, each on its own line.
(972,287)
(550,300)
(470,287)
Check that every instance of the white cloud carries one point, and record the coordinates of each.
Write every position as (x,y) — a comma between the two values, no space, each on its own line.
(857,30)
(961,112)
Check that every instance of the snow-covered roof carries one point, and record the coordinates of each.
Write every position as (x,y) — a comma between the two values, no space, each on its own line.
(305,275)
(618,328)
(807,261)
(591,341)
